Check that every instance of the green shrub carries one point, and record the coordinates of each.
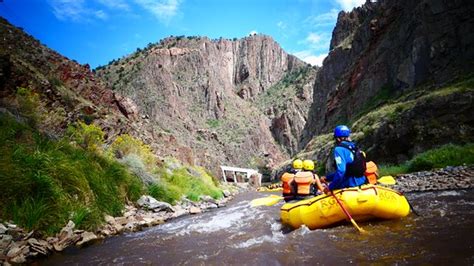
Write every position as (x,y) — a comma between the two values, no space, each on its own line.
(135,164)
(43,183)
(89,137)
(29,104)
(393,169)
(165,192)
(447,155)
(30,213)
(213,123)
(125,145)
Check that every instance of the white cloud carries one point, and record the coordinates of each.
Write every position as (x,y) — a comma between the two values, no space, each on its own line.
(68,9)
(254,32)
(309,57)
(314,38)
(101,14)
(325,19)
(316,41)
(348,5)
(75,10)
(281,25)
(115,4)
(164,10)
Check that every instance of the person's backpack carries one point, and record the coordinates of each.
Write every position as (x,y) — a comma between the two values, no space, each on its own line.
(358,166)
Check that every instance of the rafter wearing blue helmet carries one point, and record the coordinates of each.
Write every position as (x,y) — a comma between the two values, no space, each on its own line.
(349,162)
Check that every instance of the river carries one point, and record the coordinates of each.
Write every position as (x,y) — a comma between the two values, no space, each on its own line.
(243,235)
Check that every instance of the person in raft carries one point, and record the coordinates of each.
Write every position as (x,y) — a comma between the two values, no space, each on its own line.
(316,187)
(349,162)
(288,180)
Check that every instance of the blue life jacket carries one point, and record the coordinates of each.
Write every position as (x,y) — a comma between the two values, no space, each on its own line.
(348,170)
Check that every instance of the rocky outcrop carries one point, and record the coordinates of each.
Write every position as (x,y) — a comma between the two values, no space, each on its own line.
(448,178)
(67,91)
(199,93)
(386,49)
(286,104)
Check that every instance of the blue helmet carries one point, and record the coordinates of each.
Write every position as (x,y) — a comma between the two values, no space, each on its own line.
(341,131)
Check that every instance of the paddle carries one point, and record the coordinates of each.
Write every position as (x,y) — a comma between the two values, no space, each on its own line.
(347,214)
(267,201)
(387,180)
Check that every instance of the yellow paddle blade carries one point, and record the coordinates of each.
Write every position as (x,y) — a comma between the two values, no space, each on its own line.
(267,201)
(358,228)
(387,180)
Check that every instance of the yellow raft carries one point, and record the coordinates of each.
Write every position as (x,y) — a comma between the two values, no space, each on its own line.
(364,203)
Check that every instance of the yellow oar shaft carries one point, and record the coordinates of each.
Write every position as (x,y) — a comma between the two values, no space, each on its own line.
(347,213)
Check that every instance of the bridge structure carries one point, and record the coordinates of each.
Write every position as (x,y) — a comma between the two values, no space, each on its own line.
(234,170)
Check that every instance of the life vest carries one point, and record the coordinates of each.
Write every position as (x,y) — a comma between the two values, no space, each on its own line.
(304,181)
(287,180)
(371,173)
(358,166)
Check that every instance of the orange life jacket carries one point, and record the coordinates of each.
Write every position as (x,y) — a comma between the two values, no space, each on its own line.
(304,181)
(371,173)
(287,180)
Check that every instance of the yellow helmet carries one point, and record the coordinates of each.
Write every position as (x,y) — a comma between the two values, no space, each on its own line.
(297,164)
(308,165)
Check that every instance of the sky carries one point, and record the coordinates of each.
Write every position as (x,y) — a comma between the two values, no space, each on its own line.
(95,32)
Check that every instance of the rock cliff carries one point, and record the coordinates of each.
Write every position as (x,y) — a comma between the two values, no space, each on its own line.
(67,91)
(192,98)
(204,94)
(393,52)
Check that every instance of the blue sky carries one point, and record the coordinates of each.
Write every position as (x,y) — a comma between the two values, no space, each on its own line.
(97,31)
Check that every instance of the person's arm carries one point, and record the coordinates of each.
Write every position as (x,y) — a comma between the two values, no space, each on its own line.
(338,176)
(318,183)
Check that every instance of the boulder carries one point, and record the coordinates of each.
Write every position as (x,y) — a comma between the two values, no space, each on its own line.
(3,229)
(109,219)
(87,237)
(151,203)
(5,241)
(19,259)
(67,231)
(39,246)
(226,193)
(195,210)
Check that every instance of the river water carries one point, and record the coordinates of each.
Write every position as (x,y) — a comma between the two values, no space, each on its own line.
(244,235)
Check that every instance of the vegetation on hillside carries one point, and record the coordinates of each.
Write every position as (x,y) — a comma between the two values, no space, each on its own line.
(384,108)
(46,182)
(447,155)
(388,108)
(290,86)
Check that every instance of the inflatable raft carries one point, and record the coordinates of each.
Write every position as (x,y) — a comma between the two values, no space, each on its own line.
(363,203)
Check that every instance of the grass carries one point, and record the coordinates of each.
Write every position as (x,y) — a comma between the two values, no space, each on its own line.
(168,182)
(44,183)
(213,123)
(181,181)
(447,155)
(386,107)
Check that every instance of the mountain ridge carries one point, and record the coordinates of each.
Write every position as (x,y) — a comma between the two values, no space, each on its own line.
(207,88)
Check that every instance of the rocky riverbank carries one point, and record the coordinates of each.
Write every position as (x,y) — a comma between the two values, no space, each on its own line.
(458,177)
(20,246)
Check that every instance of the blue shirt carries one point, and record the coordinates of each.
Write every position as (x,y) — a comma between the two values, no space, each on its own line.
(342,157)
